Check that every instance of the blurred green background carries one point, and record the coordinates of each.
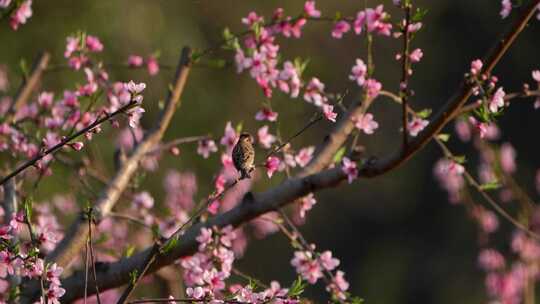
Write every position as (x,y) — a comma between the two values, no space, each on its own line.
(398,239)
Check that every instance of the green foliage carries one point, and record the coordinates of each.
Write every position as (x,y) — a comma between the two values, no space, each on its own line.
(297,288)
(419,14)
(339,155)
(444,137)
(425,113)
(460,159)
(129,251)
(170,245)
(231,41)
(494,185)
(133,276)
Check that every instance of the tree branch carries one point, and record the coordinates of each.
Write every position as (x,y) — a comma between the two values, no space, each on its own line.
(77,234)
(115,274)
(29,85)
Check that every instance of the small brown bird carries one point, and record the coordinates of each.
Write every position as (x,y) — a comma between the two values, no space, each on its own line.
(243,155)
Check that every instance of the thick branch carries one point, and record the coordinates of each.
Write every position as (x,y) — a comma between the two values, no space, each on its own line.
(332,142)
(29,85)
(116,274)
(76,236)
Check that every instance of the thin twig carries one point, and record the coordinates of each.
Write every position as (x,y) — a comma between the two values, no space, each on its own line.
(92,261)
(472,181)
(78,231)
(65,141)
(404,84)
(294,188)
(176,142)
(130,219)
(159,246)
(29,85)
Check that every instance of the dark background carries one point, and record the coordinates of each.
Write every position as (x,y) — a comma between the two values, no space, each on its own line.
(398,238)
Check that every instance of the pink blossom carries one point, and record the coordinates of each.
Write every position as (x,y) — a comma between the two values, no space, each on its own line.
(135,88)
(416,55)
(23,12)
(508,158)
(252,18)
(242,62)
(214,279)
(506,8)
(265,139)
(135,61)
(53,274)
(487,220)
(5,232)
(289,79)
(306,203)
(293,29)
(490,259)
(304,156)
(265,224)
(359,22)
(339,285)
(6,264)
(134,116)
(143,200)
(72,45)
(205,147)
(536,75)
(310,10)
(375,21)
(54,293)
(45,99)
(307,266)
(372,87)
(528,248)
(340,28)
(152,66)
(497,101)
(450,176)
(463,130)
(359,72)
(327,261)
(272,165)
(93,44)
(51,139)
(329,113)
(213,208)
(365,123)
(205,238)
(230,137)
(266,114)
(314,92)
(349,168)
(77,146)
(414,27)
(476,67)
(416,125)
(197,293)
(481,127)
(4,3)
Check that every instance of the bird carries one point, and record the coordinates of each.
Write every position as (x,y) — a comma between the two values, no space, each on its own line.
(243,155)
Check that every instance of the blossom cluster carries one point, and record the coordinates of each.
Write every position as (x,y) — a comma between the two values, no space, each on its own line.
(206,272)
(21,11)
(313,266)
(20,258)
